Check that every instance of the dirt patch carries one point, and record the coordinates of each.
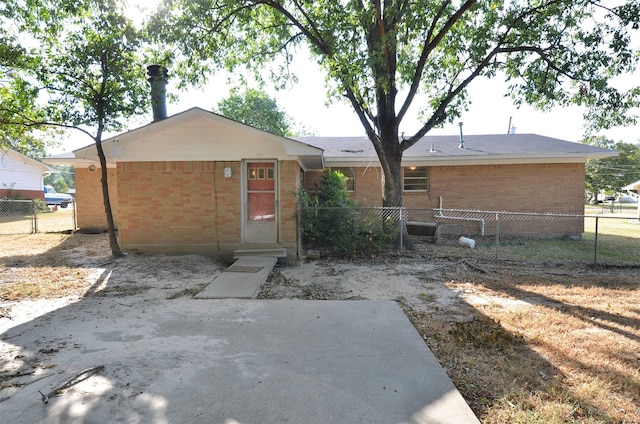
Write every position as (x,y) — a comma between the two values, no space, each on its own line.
(523,342)
(417,284)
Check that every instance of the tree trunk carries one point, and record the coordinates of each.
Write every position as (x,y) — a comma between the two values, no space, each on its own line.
(111,227)
(392,191)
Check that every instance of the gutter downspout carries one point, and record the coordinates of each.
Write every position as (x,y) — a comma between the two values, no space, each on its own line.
(440,215)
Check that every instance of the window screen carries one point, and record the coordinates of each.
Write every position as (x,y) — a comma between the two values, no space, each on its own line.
(416,178)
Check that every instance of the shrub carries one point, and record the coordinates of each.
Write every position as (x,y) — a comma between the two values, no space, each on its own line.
(330,221)
(41,206)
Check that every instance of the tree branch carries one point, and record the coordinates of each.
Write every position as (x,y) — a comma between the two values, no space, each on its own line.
(429,45)
(316,40)
(31,123)
(439,115)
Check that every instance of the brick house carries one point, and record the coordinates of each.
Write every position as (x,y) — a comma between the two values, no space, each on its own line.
(197,182)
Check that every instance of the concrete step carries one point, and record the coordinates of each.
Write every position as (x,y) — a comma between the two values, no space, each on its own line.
(242,280)
(270,252)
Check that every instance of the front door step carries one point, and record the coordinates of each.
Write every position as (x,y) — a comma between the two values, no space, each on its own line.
(242,280)
(275,252)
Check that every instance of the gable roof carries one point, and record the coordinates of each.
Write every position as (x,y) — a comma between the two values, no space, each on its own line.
(632,186)
(479,149)
(19,158)
(195,135)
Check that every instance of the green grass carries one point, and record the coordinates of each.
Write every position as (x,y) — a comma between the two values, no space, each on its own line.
(618,243)
(618,209)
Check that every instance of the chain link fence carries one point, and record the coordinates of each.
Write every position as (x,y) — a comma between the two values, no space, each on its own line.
(501,235)
(339,231)
(32,216)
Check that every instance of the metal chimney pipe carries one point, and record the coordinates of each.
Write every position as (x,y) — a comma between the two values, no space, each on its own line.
(158,79)
(461,146)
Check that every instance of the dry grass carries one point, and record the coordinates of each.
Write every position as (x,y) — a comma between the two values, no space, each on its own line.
(547,345)
(545,348)
(48,265)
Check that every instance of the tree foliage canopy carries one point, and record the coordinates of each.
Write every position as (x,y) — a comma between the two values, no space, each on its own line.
(552,51)
(611,174)
(62,181)
(254,107)
(81,68)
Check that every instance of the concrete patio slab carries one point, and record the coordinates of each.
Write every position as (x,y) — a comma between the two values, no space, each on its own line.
(242,280)
(235,362)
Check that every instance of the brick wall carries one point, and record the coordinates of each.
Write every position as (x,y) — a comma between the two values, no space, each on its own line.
(544,188)
(22,194)
(190,207)
(368,186)
(555,188)
(89,200)
(523,188)
(174,203)
(290,180)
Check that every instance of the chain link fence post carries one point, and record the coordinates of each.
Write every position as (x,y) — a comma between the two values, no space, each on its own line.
(34,216)
(497,236)
(595,244)
(299,230)
(402,228)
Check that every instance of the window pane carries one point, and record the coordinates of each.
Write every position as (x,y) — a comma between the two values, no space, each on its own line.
(416,178)
(261,206)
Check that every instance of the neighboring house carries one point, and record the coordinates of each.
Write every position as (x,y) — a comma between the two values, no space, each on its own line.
(21,176)
(197,182)
(635,186)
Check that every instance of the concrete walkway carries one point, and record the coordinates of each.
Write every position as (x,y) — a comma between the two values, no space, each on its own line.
(234,361)
(242,280)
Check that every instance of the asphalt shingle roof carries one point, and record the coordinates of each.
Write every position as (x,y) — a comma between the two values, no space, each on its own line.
(476,146)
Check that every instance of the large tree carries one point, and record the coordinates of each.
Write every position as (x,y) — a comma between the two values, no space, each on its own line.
(256,108)
(385,55)
(79,69)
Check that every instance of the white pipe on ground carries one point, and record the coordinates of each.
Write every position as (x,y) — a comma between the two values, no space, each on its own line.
(467,242)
